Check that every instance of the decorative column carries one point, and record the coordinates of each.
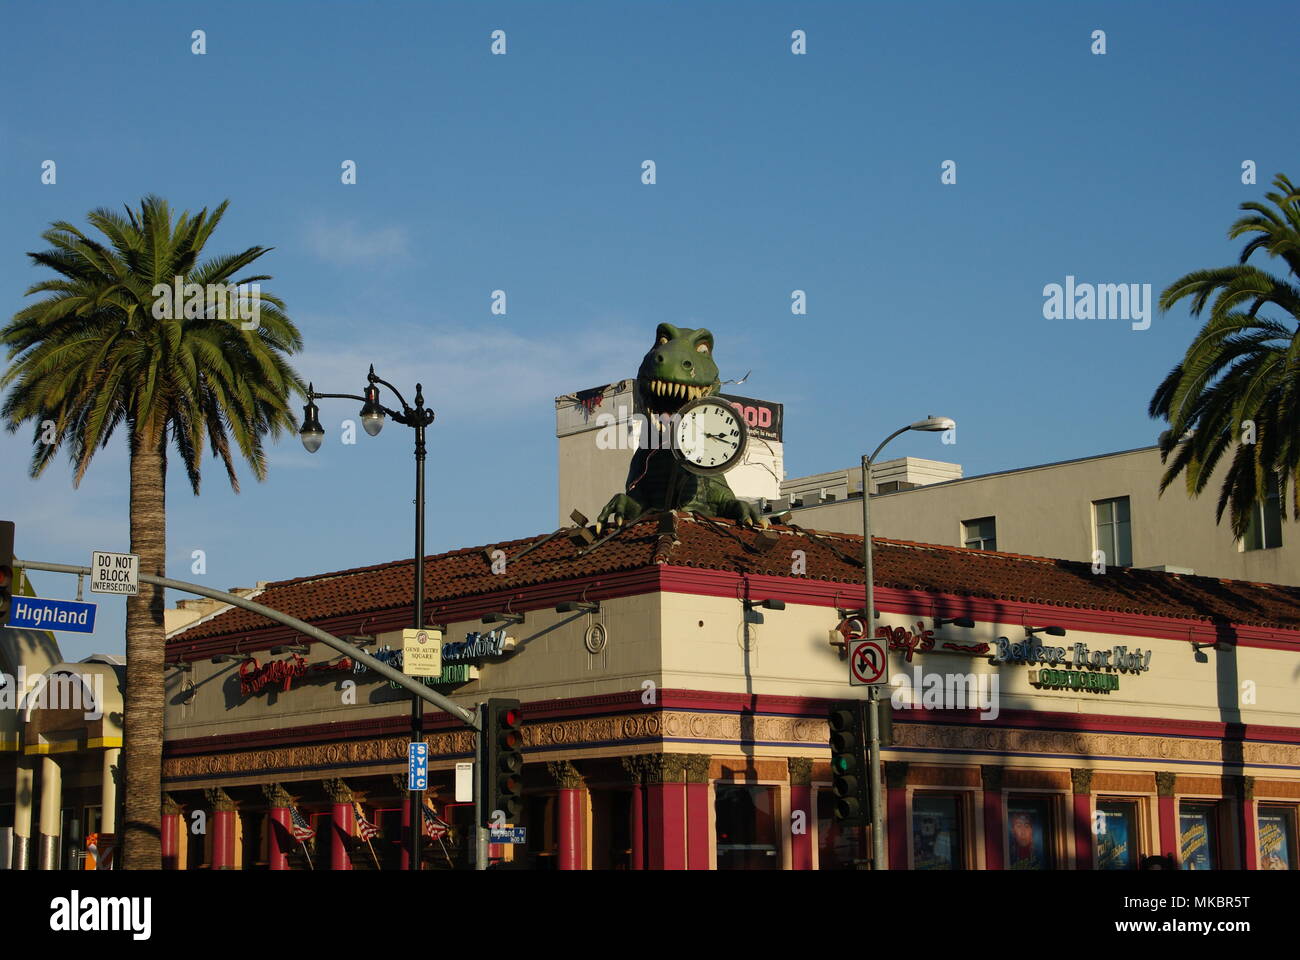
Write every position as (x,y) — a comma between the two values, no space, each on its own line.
(342,824)
(1168,815)
(222,824)
(995,818)
(665,777)
(699,840)
(634,765)
(172,826)
(896,838)
(1246,817)
(279,826)
(1082,782)
(51,814)
(24,791)
(571,832)
(803,811)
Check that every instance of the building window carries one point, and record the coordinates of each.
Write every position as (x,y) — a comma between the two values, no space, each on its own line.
(1198,836)
(1265,530)
(980,534)
(1030,833)
(838,847)
(746,827)
(937,836)
(1113,537)
(1277,835)
(1117,835)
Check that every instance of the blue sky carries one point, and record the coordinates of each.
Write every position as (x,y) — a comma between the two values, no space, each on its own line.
(521,172)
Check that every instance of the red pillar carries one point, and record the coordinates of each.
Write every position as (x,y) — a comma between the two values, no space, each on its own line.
(801,844)
(223,839)
(171,834)
(1167,810)
(995,818)
(896,836)
(666,812)
(638,826)
(341,825)
(1246,814)
(1082,781)
(698,840)
(280,837)
(571,829)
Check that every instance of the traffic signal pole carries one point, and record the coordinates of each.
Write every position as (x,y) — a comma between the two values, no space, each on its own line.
(480,831)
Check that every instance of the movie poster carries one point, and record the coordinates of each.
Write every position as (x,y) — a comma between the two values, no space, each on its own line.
(1116,837)
(1196,838)
(1027,835)
(1276,840)
(935,839)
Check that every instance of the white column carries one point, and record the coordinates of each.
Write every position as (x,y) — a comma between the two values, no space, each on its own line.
(24,782)
(108,790)
(51,813)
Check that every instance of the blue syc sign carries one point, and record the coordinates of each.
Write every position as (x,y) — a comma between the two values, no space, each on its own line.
(36,613)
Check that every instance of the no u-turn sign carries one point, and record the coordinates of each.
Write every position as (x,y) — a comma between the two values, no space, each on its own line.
(867,663)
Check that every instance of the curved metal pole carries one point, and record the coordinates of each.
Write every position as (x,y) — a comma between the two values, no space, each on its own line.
(342,646)
(878,861)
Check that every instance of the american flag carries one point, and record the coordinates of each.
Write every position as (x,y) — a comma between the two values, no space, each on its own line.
(434,828)
(302,830)
(365,829)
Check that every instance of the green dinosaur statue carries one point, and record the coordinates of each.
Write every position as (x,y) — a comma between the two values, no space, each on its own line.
(679,368)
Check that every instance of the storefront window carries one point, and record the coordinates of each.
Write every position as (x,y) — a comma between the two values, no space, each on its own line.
(838,847)
(746,828)
(937,832)
(1277,837)
(1117,834)
(1197,836)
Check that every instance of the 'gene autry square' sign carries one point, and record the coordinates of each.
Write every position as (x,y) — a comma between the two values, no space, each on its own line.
(1078,655)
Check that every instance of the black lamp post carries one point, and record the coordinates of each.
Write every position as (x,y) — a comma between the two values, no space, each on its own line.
(372,418)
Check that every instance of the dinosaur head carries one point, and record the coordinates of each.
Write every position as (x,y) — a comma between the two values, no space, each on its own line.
(678,368)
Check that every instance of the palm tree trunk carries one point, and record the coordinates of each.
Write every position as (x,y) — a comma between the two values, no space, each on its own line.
(145,656)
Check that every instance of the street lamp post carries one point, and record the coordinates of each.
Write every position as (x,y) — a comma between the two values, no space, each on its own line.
(372,419)
(928,425)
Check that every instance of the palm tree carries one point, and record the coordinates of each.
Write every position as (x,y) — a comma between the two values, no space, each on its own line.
(101,349)
(1238,386)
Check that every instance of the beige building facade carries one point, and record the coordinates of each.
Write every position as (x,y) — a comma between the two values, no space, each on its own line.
(1076,510)
(681,725)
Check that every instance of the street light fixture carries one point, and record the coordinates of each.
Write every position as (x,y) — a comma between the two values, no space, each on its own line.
(930,424)
(1050,631)
(577,606)
(417,418)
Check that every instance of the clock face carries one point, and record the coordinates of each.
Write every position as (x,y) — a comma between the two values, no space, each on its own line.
(710,436)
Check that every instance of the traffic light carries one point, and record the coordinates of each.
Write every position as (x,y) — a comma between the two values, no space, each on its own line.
(7,578)
(849,781)
(502,760)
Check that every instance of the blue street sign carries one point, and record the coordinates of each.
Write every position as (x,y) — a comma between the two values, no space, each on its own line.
(417,766)
(35,613)
(508,835)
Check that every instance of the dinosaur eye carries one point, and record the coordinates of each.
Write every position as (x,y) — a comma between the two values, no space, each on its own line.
(662,341)
(702,348)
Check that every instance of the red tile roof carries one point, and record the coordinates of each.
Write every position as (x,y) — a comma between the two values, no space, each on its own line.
(723,545)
